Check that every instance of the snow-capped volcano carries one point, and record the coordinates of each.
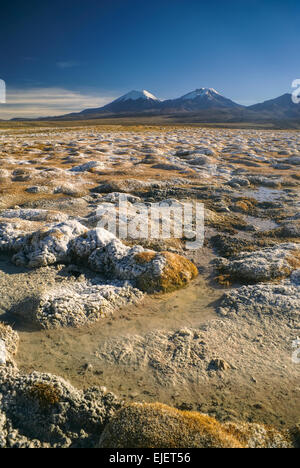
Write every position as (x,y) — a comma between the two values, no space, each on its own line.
(200,92)
(129,103)
(135,95)
(200,99)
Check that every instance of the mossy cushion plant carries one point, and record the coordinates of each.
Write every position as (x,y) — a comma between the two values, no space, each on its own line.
(45,394)
(177,272)
(155,425)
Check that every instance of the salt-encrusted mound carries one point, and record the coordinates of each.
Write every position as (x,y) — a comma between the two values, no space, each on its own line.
(35,215)
(42,410)
(154,425)
(70,241)
(48,245)
(83,246)
(289,229)
(88,166)
(152,271)
(132,185)
(295,160)
(264,299)
(261,436)
(9,342)
(114,197)
(12,234)
(262,265)
(77,304)
(21,229)
(81,302)
(106,254)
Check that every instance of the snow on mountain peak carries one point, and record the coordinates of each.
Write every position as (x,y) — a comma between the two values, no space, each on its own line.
(200,92)
(135,95)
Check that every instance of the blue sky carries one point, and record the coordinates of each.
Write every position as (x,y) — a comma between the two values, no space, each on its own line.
(60,56)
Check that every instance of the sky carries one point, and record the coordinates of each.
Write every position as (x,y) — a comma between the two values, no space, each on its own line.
(62,56)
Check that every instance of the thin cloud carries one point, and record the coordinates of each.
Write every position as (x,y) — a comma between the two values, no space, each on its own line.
(44,102)
(67,64)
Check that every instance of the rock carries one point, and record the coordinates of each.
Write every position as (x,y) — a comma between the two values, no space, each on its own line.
(170,167)
(229,246)
(238,182)
(136,185)
(262,265)
(260,436)
(71,242)
(85,302)
(38,189)
(294,433)
(265,181)
(294,160)
(88,367)
(290,229)
(13,233)
(219,364)
(83,246)
(115,196)
(9,343)
(262,300)
(68,189)
(153,272)
(77,304)
(88,166)
(35,215)
(48,245)
(123,186)
(282,167)
(3,355)
(21,175)
(45,411)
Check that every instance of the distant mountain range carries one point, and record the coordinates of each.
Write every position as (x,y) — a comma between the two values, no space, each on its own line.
(281,107)
(201,105)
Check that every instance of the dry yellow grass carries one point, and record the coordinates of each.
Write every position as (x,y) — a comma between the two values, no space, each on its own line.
(224,280)
(245,205)
(294,259)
